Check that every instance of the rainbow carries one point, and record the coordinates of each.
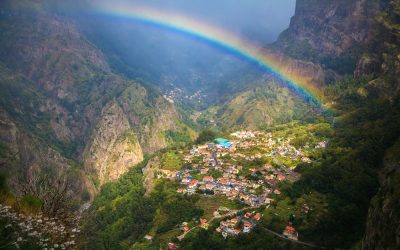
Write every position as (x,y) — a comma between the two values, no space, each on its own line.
(219,38)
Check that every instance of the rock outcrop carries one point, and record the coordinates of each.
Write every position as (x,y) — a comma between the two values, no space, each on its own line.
(383,227)
(64,109)
(149,174)
(330,33)
(114,147)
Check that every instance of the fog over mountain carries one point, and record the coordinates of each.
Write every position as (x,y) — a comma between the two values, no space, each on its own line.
(263,20)
(172,60)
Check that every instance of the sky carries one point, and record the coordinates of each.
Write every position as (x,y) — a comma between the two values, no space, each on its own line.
(262,20)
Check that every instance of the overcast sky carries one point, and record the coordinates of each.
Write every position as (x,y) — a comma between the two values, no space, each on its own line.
(256,19)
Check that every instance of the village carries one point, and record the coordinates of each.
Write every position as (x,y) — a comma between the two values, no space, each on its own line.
(247,168)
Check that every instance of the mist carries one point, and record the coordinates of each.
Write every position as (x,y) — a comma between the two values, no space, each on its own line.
(172,61)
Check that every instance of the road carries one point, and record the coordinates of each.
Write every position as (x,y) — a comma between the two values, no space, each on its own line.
(285,238)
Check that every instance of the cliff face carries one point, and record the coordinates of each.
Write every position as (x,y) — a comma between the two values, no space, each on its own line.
(114,147)
(359,38)
(383,227)
(330,33)
(331,27)
(327,39)
(64,109)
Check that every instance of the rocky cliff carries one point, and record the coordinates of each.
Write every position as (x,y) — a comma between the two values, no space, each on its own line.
(114,146)
(330,33)
(383,227)
(359,38)
(64,109)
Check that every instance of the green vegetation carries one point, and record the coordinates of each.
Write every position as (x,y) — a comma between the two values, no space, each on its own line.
(178,138)
(263,105)
(206,135)
(121,214)
(331,186)
(172,160)
(31,203)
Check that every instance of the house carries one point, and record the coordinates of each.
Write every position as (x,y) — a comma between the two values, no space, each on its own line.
(223,181)
(204,170)
(247,215)
(193,184)
(276,191)
(180,190)
(234,221)
(216,214)
(291,233)
(186,180)
(247,227)
(257,216)
(233,193)
(210,186)
(204,224)
(208,179)
(172,246)
(268,201)
(202,187)
(280,177)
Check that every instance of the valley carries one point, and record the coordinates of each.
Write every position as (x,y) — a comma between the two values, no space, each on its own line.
(247,171)
(232,185)
(168,125)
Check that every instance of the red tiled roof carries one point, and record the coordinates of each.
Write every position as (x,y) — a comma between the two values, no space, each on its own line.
(208,178)
(257,216)
(290,229)
(171,246)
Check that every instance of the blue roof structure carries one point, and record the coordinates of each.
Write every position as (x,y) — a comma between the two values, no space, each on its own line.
(223,142)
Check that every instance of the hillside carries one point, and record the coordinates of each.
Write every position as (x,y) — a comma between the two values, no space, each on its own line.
(99,119)
(346,195)
(58,95)
(261,104)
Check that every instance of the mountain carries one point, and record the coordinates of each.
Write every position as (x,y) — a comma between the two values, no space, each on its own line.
(89,120)
(358,38)
(320,32)
(261,104)
(63,109)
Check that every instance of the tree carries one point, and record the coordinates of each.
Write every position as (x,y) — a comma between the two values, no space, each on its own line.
(206,136)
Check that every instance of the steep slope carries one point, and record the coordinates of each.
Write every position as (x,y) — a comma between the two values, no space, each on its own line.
(259,105)
(114,147)
(330,33)
(383,228)
(358,38)
(62,102)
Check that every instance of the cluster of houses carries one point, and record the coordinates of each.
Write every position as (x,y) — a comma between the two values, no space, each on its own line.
(215,169)
(253,191)
(238,224)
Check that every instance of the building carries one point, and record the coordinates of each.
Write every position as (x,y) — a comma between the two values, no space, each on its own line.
(223,142)
(208,179)
(193,184)
(291,233)
(247,227)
